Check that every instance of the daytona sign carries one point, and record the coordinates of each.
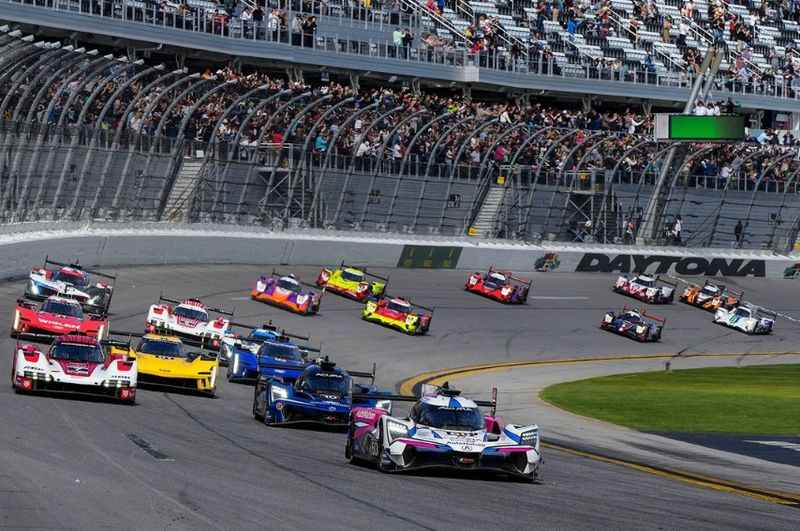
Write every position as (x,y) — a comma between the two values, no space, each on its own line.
(660,265)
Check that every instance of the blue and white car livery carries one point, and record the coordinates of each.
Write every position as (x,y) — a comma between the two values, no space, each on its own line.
(266,351)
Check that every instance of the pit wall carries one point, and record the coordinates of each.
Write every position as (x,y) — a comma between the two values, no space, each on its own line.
(151,244)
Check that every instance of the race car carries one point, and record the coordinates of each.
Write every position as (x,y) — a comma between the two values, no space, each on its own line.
(500,286)
(76,364)
(749,319)
(547,262)
(793,271)
(646,289)
(54,317)
(444,430)
(189,320)
(322,394)
(164,362)
(73,281)
(285,291)
(398,313)
(635,324)
(352,282)
(711,296)
(266,351)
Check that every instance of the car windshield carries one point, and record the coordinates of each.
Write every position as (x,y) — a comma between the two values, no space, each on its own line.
(353,276)
(281,351)
(647,282)
(398,307)
(160,348)
(327,382)
(448,418)
(500,280)
(741,312)
(633,318)
(77,352)
(711,291)
(68,309)
(190,313)
(74,278)
(288,284)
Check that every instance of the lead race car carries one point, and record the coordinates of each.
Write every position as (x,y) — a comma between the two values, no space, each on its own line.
(747,318)
(73,281)
(287,292)
(635,324)
(54,317)
(189,319)
(711,296)
(352,282)
(398,313)
(654,290)
(76,364)
(444,430)
(266,351)
(501,286)
(323,394)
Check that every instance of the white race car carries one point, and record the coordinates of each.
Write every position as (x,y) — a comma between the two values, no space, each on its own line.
(75,364)
(646,289)
(189,320)
(750,320)
(443,430)
(72,281)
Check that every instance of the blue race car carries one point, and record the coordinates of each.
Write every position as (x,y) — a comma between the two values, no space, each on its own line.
(266,351)
(323,394)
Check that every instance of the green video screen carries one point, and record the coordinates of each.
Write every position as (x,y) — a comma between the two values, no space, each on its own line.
(690,127)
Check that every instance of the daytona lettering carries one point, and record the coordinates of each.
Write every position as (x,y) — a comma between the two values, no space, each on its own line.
(660,265)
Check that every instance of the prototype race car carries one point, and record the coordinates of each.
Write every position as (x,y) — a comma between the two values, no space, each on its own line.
(548,262)
(322,394)
(635,324)
(398,313)
(56,316)
(748,319)
(72,281)
(647,289)
(76,364)
(267,352)
(189,320)
(352,282)
(500,286)
(711,296)
(285,291)
(444,430)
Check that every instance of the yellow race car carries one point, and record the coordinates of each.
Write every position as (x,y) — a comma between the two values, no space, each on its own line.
(352,282)
(163,361)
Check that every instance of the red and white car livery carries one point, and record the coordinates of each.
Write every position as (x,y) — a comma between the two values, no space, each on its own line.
(73,281)
(654,290)
(56,316)
(75,364)
(189,319)
(499,285)
(443,430)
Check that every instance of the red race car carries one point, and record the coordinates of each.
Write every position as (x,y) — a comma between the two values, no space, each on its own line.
(500,286)
(55,317)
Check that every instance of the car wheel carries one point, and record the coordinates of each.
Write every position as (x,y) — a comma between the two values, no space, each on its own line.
(256,415)
(380,464)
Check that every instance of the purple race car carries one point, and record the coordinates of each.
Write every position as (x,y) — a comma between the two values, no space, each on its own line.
(285,291)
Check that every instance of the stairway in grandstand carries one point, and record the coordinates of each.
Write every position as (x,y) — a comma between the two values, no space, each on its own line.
(484,225)
(180,194)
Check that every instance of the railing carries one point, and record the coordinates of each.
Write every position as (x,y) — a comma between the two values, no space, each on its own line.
(136,12)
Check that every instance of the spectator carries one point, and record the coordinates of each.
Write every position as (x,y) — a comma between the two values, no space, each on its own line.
(737,231)
(309,27)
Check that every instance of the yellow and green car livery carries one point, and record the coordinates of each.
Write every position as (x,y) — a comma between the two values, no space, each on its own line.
(163,361)
(352,282)
(398,313)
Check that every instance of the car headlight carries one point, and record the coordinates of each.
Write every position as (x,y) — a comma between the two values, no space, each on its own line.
(385,405)
(235,364)
(301,299)
(276,393)
(34,288)
(411,319)
(529,438)
(396,430)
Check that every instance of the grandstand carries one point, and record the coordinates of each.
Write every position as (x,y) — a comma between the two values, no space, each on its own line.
(493,119)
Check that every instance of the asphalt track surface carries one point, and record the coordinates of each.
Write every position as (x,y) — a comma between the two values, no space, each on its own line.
(71,464)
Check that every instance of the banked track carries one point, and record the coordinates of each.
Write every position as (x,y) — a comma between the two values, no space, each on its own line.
(71,464)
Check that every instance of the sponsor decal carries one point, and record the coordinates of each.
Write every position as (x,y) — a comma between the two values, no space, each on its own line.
(429,257)
(659,265)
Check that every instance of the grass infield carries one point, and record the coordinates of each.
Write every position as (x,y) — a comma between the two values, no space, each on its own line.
(757,400)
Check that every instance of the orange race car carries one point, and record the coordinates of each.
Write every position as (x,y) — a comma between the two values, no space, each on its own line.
(711,296)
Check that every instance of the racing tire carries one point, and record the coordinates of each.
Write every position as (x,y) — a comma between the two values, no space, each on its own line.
(380,466)
(256,415)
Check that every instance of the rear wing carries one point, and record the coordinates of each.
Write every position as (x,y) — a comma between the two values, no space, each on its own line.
(510,276)
(664,280)
(220,311)
(643,313)
(429,309)
(271,327)
(76,265)
(364,270)
(433,390)
(362,374)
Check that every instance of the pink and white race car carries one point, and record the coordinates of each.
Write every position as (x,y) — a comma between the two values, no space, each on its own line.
(75,364)
(189,319)
(654,290)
